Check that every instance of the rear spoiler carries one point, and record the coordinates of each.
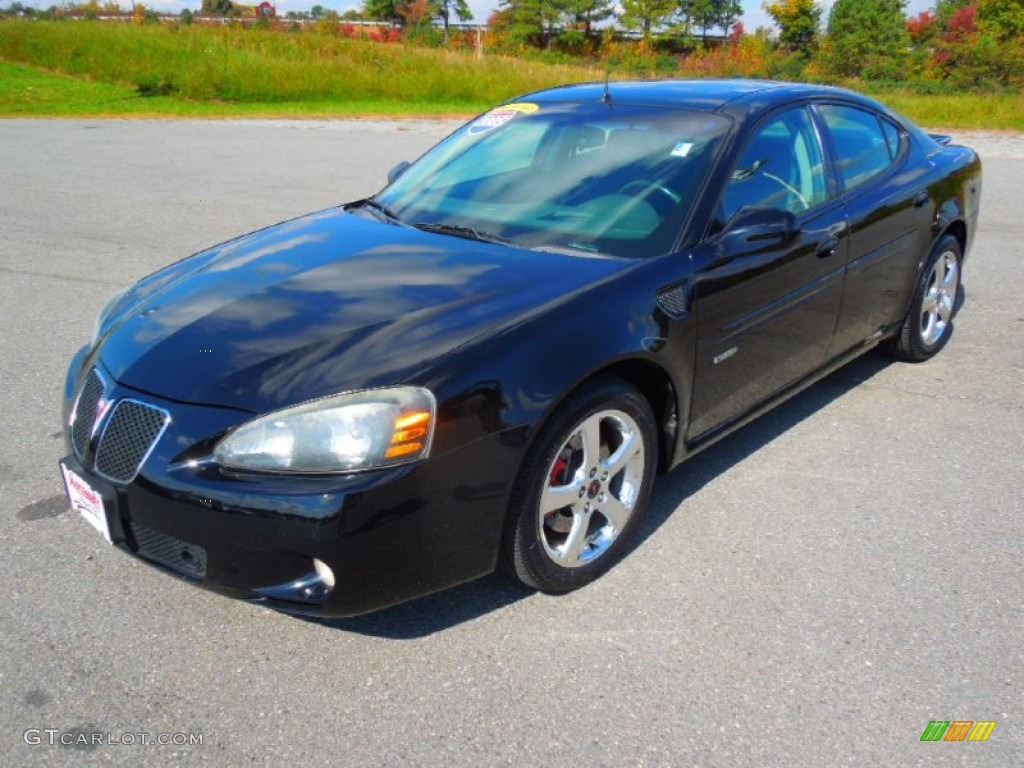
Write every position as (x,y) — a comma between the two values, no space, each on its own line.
(941,138)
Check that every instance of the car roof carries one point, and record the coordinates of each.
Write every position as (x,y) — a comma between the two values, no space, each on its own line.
(734,95)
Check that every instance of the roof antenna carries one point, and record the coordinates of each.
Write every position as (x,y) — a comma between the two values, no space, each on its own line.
(606,97)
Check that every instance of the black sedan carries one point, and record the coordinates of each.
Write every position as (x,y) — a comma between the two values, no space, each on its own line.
(487,363)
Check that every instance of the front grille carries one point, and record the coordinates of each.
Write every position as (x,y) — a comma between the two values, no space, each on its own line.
(170,552)
(83,419)
(128,438)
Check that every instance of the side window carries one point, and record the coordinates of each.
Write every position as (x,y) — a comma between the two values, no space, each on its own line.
(864,149)
(781,167)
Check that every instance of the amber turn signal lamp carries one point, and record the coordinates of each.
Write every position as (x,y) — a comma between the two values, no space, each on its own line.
(409,430)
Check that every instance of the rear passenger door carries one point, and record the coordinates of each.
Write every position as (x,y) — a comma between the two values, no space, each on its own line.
(890,214)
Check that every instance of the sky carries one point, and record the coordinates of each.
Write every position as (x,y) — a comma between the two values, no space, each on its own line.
(753,15)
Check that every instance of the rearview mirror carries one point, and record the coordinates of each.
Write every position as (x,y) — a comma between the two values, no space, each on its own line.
(397,171)
(757,229)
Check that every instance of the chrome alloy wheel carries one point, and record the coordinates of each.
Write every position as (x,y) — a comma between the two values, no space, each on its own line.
(592,486)
(939,297)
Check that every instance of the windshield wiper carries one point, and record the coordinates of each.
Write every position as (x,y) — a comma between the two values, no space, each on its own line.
(377,208)
(461,231)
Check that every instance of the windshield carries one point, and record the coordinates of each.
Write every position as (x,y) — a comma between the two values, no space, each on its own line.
(596,177)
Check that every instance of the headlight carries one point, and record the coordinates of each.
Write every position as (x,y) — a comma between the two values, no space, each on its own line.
(357,430)
(104,313)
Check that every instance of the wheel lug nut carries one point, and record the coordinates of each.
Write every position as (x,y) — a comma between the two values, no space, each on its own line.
(593,471)
(604,476)
(582,491)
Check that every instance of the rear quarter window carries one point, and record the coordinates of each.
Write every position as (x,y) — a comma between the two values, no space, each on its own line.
(866,145)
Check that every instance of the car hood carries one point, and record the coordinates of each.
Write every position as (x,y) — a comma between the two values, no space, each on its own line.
(322,304)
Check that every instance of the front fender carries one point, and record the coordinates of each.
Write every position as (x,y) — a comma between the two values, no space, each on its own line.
(513,380)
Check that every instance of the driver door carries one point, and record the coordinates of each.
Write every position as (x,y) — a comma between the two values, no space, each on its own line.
(766,304)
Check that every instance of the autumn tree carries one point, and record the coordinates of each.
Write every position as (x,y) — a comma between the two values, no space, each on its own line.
(980,44)
(867,38)
(946,9)
(798,22)
(922,29)
(414,13)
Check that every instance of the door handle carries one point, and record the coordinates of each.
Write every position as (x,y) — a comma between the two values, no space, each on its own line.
(921,199)
(828,248)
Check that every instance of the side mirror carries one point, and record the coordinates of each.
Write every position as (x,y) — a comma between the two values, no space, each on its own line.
(756,229)
(397,171)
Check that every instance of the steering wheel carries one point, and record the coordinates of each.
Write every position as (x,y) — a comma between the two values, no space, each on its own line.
(789,188)
(646,189)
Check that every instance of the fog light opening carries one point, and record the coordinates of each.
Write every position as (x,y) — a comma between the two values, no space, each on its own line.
(323,570)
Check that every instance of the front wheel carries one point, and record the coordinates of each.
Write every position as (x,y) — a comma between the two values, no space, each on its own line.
(929,323)
(583,488)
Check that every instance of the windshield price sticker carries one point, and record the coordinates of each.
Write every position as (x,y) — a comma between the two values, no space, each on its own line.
(498,117)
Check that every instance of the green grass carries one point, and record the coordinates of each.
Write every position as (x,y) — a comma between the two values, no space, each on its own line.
(1002,111)
(109,69)
(29,92)
(308,71)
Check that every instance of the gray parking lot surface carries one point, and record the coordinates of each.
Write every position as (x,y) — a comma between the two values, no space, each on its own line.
(810,592)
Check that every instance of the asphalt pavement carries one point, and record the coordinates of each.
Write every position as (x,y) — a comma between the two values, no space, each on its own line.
(813,591)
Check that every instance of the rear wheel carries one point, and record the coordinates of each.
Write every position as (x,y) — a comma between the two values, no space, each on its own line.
(929,323)
(583,488)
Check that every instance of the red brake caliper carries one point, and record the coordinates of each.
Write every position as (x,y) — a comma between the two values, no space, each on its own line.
(558,471)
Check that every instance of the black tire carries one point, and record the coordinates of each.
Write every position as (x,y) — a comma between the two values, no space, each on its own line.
(929,323)
(559,549)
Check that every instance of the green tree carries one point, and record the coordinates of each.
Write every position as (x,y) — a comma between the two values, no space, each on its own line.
(185,17)
(217,7)
(533,22)
(648,16)
(585,13)
(798,22)
(443,10)
(316,11)
(383,10)
(868,38)
(706,15)
(1004,19)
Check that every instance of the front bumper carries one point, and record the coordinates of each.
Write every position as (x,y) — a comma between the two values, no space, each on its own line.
(387,535)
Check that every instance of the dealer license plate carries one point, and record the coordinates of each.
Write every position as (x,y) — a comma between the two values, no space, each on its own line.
(86,501)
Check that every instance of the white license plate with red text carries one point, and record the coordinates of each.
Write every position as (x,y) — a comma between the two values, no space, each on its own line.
(86,501)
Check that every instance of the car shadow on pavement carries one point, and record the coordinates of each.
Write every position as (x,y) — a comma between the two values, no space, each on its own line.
(447,609)
(687,479)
